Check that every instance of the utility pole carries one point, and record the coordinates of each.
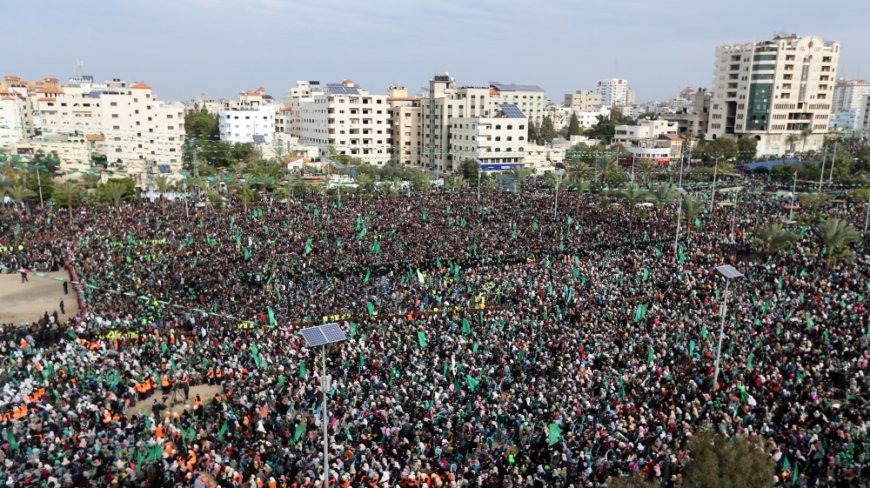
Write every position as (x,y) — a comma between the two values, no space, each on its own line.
(713,190)
(793,189)
(822,172)
(866,216)
(833,164)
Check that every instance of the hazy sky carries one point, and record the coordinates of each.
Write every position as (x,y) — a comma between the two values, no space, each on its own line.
(184,48)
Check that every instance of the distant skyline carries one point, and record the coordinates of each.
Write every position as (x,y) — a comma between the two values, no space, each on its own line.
(185,48)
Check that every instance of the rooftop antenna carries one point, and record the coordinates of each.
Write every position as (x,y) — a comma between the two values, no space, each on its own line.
(80,69)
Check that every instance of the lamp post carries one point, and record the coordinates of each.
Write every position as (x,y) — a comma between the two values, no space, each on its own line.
(730,273)
(323,336)
(558,172)
(866,216)
(713,191)
(683,193)
(478,182)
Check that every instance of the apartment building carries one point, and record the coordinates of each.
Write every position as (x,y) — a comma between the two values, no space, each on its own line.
(348,120)
(851,101)
(583,101)
(693,119)
(651,140)
(248,119)
(528,98)
(774,89)
(14,112)
(496,142)
(616,92)
(303,92)
(405,126)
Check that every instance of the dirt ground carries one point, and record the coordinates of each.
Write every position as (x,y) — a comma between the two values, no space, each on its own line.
(206,392)
(26,302)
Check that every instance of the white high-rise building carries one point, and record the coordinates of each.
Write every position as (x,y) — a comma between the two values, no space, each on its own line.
(348,120)
(851,103)
(249,119)
(615,92)
(405,126)
(13,118)
(778,91)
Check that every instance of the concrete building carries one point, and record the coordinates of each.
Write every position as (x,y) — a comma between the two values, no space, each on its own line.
(583,101)
(851,101)
(497,141)
(616,92)
(655,140)
(528,98)
(249,119)
(405,126)
(14,113)
(348,120)
(774,89)
(693,120)
(303,92)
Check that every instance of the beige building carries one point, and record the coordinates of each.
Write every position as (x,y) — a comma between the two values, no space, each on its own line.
(583,101)
(774,89)
(497,141)
(694,119)
(405,126)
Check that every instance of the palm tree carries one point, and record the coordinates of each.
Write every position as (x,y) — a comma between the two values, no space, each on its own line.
(691,208)
(632,195)
(522,174)
(773,237)
(805,134)
(20,193)
(90,180)
(364,182)
(791,139)
(836,235)
(663,194)
(115,192)
(70,193)
(582,185)
(578,169)
(246,195)
(161,183)
(609,169)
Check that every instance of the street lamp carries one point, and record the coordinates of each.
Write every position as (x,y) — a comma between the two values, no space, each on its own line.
(730,273)
(323,336)
(558,172)
(713,190)
(683,193)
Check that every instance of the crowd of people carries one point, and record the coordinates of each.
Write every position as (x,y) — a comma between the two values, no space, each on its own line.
(491,342)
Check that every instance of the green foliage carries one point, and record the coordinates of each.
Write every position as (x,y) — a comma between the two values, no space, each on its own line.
(534,134)
(609,171)
(663,194)
(469,169)
(773,238)
(573,125)
(836,235)
(365,182)
(605,128)
(633,195)
(201,125)
(783,172)
(861,195)
(747,147)
(720,462)
(116,190)
(690,209)
(20,193)
(722,148)
(90,180)
(635,481)
(547,131)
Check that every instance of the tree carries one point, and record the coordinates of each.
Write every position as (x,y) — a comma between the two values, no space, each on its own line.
(116,190)
(20,194)
(836,235)
(747,148)
(719,462)
(663,194)
(690,210)
(579,169)
(521,174)
(246,195)
(721,148)
(548,131)
(806,132)
(469,169)
(773,238)
(161,183)
(90,180)
(365,182)
(534,134)
(420,181)
(609,170)
(573,125)
(783,172)
(201,125)
(633,195)
(791,139)
(635,481)
(67,193)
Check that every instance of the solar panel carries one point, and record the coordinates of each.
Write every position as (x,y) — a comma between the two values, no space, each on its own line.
(313,336)
(339,89)
(322,335)
(333,333)
(512,111)
(728,271)
(163,168)
(259,139)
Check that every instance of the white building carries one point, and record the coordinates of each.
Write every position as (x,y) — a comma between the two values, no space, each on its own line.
(615,92)
(851,101)
(249,119)
(654,140)
(528,98)
(348,120)
(405,126)
(774,89)
(495,142)
(303,92)
(13,118)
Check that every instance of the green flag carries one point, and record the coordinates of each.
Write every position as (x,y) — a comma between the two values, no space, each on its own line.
(370,307)
(650,356)
(810,322)
(368,275)
(692,348)
(554,435)
(645,274)
(255,354)
(300,429)
(272,320)
(359,222)
(223,430)
(10,438)
(466,326)
(472,382)
(421,338)
(698,222)
(308,246)
(376,247)
(302,372)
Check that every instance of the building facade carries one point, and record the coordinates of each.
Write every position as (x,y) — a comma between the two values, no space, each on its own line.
(346,119)
(491,141)
(616,92)
(249,119)
(583,101)
(404,125)
(693,120)
(651,140)
(851,101)
(775,91)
